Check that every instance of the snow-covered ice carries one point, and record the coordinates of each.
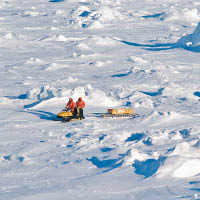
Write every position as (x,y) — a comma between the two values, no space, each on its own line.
(115,54)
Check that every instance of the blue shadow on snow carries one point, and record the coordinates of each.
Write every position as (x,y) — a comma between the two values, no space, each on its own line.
(148,141)
(122,74)
(197,94)
(152,94)
(55,1)
(148,167)
(135,137)
(163,46)
(68,135)
(106,149)
(41,114)
(8,157)
(101,137)
(108,164)
(38,102)
(153,47)
(185,133)
(84,14)
(194,182)
(195,189)
(22,96)
(161,16)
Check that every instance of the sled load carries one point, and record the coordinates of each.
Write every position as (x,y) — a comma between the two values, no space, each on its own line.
(120,113)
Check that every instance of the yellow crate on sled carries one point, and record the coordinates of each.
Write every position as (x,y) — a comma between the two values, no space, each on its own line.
(121,111)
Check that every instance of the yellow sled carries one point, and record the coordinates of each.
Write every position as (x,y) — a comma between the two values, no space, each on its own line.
(120,112)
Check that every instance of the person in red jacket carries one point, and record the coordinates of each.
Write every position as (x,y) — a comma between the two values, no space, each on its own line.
(80,104)
(70,105)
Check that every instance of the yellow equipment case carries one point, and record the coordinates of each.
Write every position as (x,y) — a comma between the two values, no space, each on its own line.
(120,112)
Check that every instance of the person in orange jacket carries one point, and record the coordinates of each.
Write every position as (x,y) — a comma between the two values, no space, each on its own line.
(80,104)
(70,105)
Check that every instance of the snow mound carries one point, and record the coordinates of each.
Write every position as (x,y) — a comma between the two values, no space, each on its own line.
(181,149)
(96,25)
(30,13)
(143,102)
(174,90)
(101,63)
(162,117)
(109,2)
(70,79)
(101,41)
(191,40)
(82,46)
(92,97)
(186,15)
(100,99)
(55,66)
(8,101)
(9,36)
(58,38)
(59,12)
(35,61)
(105,14)
(43,93)
(183,162)
(133,155)
(188,169)
(81,11)
(137,59)
(179,167)
(93,19)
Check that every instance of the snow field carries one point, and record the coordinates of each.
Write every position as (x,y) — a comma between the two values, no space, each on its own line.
(115,53)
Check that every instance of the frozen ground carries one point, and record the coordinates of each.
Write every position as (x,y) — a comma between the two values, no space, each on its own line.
(113,53)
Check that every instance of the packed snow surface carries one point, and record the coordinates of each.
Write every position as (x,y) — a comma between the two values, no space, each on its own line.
(114,54)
